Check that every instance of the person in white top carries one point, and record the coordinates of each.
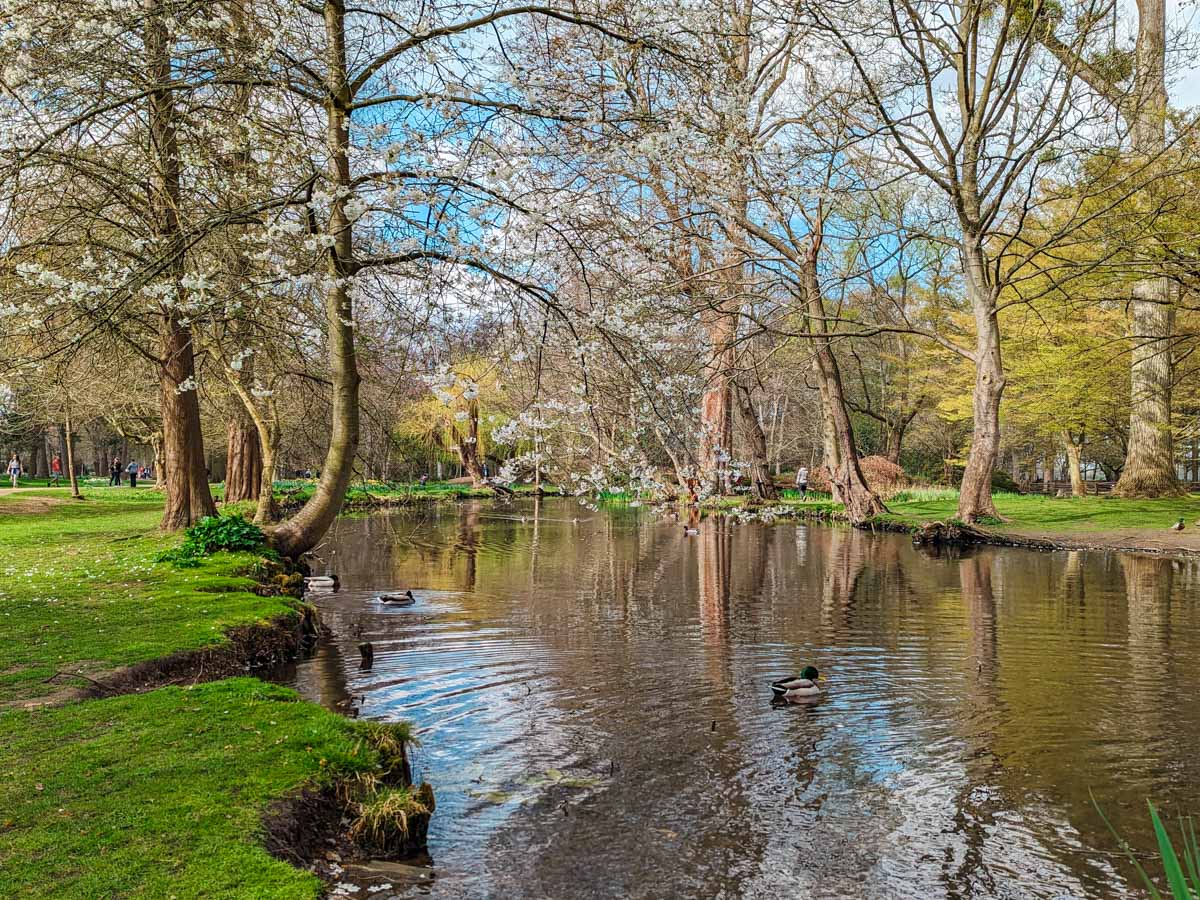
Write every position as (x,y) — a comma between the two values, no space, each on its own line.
(802,481)
(14,469)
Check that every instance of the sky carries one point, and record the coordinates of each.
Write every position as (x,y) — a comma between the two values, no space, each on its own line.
(1183,19)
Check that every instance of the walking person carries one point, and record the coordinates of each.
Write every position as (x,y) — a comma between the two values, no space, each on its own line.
(132,471)
(55,471)
(14,469)
(802,481)
(114,472)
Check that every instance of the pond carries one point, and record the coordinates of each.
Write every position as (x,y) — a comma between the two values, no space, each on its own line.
(591,689)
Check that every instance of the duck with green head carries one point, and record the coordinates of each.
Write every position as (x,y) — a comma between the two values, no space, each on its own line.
(803,686)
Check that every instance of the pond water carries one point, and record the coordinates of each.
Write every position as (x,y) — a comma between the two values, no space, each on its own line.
(591,692)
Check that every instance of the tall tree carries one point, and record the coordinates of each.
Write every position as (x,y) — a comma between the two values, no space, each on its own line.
(1149,469)
(983,148)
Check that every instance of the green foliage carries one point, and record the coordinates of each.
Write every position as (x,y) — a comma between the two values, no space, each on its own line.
(1182,875)
(215,533)
(1002,481)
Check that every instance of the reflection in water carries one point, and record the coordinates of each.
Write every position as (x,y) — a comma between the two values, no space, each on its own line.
(591,692)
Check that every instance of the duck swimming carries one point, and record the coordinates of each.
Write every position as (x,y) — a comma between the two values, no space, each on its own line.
(323,583)
(803,686)
(405,599)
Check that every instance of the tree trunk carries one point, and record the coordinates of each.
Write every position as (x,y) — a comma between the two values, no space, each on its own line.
(243,458)
(1078,489)
(267,510)
(160,464)
(1150,459)
(304,530)
(244,461)
(188,497)
(860,501)
(468,445)
(1149,469)
(975,495)
(39,468)
(69,452)
(716,408)
(760,472)
(831,453)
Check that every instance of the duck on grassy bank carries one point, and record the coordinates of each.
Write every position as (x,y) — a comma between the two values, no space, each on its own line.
(405,599)
(795,687)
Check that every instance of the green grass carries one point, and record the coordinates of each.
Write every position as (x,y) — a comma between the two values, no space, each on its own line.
(80,590)
(1037,513)
(364,493)
(162,794)
(158,794)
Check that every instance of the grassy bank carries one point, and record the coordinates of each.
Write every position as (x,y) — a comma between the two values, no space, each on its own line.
(1038,514)
(156,794)
(371,494)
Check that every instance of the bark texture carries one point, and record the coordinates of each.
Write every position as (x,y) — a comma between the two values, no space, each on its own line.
(244,461)
(304,530)
(1150,456)
(975,496)
(761,482)
(860,501)
(188,498)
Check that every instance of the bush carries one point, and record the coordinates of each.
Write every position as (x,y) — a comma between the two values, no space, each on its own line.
(883,475)
(1003,483)
(214,533)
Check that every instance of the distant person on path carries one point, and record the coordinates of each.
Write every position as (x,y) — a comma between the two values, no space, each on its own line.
(132,469)
(14,469)
(802,481)
(55,470)
(114,473)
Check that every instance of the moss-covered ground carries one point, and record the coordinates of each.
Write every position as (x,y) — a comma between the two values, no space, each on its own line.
(159,794)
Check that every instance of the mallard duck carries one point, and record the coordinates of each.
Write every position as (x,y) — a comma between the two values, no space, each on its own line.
(405,599)
(803,686)
(691,532)
(1178,526)
(322,583)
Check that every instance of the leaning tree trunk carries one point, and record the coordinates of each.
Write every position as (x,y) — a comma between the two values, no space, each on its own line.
(859,500)
(975,496)
(760,472)
(188,496)
(304,530)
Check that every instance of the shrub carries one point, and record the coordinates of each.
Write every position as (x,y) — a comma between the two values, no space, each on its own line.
(1003,483)
(883,475)
(214,533)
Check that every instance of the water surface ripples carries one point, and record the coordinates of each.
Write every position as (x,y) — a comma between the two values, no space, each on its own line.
(590,688)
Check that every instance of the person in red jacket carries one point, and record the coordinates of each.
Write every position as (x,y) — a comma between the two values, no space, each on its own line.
(55,470)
